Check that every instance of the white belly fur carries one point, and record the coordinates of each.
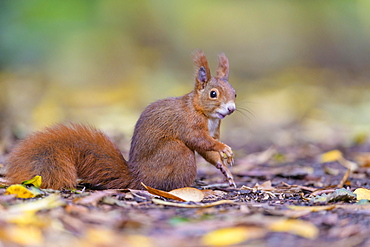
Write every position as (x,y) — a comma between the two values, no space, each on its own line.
(212,126)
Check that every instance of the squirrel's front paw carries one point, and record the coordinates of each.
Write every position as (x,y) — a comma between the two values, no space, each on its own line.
(228,154)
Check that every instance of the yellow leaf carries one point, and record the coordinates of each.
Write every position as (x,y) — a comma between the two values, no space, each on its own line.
(35,181)
(232,235)
(362,193)
(48,202)
(20,191)
(331,156)
(26,219)
(100,236)
(22,235)
(298,227)
(139,241)
(312,208)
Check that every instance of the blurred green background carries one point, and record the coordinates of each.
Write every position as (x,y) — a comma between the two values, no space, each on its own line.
(301,68)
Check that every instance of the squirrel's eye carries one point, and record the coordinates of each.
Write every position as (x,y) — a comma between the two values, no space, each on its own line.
(213,94)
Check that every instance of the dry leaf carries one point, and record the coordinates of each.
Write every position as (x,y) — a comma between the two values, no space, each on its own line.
(162,193)
(331,156)
(139,241)
(337,195)
(266,186)
(312,208)
(336,155)
(232,235)
(363,159)
(186,194)
(362,193)
(48,202)
(22,235)
(298,227)
(199,205)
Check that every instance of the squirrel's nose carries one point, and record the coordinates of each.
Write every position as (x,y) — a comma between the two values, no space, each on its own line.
(231,109)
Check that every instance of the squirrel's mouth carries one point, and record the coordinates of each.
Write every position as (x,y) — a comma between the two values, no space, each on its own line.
(220,115)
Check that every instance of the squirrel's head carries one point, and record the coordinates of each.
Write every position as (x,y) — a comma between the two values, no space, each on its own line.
(214,96)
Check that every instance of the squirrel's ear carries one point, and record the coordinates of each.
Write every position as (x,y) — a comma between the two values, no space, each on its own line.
(202,72)
(223,67)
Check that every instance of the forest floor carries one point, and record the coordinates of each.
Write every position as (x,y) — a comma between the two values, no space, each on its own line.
(292,196)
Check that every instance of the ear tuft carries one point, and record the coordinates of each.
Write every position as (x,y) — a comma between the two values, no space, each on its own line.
(223,67)
(202,72)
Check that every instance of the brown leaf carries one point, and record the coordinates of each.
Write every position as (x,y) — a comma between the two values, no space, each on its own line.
(186,194)
(162,193)
(199,205)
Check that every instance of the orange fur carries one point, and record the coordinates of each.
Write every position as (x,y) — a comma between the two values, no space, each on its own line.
(63,153)
(162,154)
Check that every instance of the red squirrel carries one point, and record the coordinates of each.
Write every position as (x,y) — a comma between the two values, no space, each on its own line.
(163,146)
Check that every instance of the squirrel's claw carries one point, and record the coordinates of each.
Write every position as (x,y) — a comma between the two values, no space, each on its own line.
(230,161)
(232,183)
(227,153)
(226,172)
(230,180)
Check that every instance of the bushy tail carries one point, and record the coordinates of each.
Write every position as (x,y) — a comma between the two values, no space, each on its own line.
(63,153)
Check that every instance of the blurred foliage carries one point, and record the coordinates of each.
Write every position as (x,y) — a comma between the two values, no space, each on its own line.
(301,68)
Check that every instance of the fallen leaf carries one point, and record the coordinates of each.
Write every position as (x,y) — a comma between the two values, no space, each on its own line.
(266,186)
(298,227)
(22,235)
(337,195)
(232,235)
(22,192)
(331,156)
(331,171)
(362,193)
(354,207)
(137,240)
(336,155)
(312,208)
(35,181)
(186,194)
(48,202)
(162,193)
(199,205)
(363,159)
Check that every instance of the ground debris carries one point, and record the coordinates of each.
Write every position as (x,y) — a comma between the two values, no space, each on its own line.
(291,200)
